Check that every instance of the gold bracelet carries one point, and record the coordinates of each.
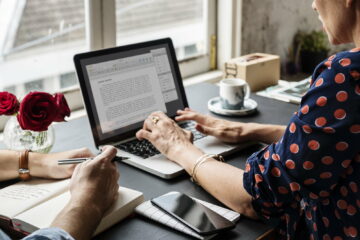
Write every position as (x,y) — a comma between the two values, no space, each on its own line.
(198,166)
(200,161)
(197,162)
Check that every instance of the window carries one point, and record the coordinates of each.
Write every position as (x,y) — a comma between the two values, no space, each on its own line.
(10,89)
(39,38)
(183,21)
(34,85)
(189,23)
(68,80)
(38,41)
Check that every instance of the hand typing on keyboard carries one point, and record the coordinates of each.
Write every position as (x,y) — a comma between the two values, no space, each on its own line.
(144,148)
(227,131)
(165,134)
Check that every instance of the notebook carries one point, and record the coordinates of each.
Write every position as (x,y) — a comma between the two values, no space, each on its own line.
(29,206)
(121,86)
(147,209)
(287,91)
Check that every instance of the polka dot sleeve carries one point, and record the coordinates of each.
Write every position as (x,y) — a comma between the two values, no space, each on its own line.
(317,148)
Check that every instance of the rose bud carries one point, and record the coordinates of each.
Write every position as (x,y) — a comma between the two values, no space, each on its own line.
(63,109)
(9,104)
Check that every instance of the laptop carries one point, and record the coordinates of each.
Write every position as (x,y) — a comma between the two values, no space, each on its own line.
(121,86)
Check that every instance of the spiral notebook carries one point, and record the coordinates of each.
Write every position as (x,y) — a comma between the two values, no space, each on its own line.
(148,210)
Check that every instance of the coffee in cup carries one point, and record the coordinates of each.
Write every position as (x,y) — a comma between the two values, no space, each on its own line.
(233,92)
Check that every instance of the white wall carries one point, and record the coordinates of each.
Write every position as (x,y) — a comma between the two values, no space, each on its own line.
(270,25)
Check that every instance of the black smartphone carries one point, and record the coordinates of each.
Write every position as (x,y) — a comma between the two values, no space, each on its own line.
(201,219)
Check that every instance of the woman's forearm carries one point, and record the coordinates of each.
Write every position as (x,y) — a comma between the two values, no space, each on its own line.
(221,180)
(266,133)
(225,182)
(9,164)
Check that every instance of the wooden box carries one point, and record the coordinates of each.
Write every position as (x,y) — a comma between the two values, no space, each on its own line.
(259,70)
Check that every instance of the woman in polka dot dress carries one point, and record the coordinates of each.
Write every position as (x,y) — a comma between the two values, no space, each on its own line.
(308,178)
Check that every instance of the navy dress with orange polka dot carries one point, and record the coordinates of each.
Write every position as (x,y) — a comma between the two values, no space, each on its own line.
(313,172)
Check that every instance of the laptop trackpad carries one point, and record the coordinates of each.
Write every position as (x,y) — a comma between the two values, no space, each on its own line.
(211,144)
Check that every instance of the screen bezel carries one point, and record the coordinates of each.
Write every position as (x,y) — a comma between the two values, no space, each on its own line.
(81,77)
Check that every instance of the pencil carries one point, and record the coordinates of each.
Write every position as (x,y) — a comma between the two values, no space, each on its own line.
(80,160)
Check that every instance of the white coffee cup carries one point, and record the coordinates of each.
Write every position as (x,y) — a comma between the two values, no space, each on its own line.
(233,92)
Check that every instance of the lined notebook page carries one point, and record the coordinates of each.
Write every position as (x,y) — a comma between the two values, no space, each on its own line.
(148,210)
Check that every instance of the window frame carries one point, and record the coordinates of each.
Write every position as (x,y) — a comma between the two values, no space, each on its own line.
(100,21)
(229,25)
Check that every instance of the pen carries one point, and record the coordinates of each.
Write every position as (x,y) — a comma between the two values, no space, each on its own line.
(80,160)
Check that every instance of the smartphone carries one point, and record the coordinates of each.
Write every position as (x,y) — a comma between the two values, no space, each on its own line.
(201,219)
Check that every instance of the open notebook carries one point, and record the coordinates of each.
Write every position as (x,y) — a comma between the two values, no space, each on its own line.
(28,206)
(147,209)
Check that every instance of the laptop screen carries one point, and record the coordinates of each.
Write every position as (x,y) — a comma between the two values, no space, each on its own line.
(122,86)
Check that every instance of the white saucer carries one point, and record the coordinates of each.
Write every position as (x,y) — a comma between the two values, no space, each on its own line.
(250,106)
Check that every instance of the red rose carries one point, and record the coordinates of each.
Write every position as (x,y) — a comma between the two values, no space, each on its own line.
(62,107)
(37,111)
(9,104)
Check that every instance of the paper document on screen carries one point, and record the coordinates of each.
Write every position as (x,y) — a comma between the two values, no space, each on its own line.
(125,90)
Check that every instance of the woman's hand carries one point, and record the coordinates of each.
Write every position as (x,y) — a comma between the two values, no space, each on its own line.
(165,135)
(46,165)
(227,131)
(95,182)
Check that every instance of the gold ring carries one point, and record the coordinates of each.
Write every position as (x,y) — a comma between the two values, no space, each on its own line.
(155,119)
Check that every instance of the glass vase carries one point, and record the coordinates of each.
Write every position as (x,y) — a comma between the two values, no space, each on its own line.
(15,138)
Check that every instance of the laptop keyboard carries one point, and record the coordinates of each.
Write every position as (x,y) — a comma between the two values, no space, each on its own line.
(139,148)
(190,126)
(145,149)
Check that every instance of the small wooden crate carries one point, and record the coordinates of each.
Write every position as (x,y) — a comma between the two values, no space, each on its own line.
(259,70)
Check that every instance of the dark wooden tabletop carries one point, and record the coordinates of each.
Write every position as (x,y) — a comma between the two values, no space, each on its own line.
(76,133)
